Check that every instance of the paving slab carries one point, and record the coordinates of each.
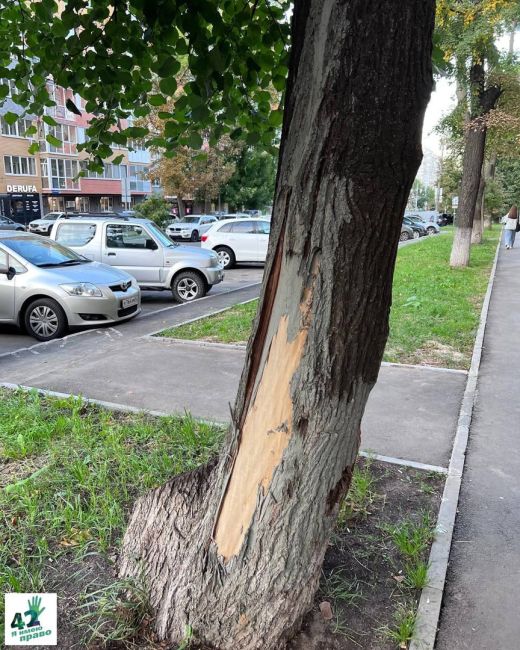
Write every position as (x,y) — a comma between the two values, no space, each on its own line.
(480,609)
(411,414)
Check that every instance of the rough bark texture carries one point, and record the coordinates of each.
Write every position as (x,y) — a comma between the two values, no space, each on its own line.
(489,174)
(483,100)
(235,551)
(476,233)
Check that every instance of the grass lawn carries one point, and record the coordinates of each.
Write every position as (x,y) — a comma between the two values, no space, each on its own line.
(435,311)
(71,472)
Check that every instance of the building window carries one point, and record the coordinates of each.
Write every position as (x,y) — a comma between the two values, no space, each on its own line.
(137,177)
(136,145)
(82,204)
(106,203)
(110,171)
(60,174)
(19,166)
(66,134)
(16,130)
(56,204)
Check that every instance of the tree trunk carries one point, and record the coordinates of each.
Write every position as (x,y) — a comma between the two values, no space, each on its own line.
(474,144)
(489,175)
(180,203)
(235,549)
(476,234)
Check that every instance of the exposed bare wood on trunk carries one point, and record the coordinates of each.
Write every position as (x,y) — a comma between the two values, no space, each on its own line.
(265,435)
(245,571)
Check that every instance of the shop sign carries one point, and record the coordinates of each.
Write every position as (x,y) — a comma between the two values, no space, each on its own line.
(21,188)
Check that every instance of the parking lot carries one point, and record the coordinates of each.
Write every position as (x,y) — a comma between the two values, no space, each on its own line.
(13,339)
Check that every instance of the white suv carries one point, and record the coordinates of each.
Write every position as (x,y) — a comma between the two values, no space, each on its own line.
(238,240)
(140,248)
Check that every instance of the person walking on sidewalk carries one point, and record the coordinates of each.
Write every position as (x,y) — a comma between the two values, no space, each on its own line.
(511,226)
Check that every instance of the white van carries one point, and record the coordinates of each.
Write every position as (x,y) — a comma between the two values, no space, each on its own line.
(140,248)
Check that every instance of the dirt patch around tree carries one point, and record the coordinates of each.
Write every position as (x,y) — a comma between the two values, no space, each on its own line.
(368,593)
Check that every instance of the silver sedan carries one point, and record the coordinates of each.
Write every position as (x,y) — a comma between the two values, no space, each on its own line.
(47,288)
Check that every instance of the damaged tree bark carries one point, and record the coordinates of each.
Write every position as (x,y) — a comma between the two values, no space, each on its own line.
(235,549)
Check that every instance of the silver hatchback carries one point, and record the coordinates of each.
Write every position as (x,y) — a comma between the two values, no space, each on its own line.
(48,288)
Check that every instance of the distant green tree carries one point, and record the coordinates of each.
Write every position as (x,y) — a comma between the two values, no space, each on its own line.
(154,208)
(508,178)
(252,185)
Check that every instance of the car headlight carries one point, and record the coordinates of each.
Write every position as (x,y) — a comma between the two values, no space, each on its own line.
(82,289)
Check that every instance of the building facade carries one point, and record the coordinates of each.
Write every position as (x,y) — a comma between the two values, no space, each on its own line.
(48,181)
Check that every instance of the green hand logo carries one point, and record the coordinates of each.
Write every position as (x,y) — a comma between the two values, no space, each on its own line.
(34,611)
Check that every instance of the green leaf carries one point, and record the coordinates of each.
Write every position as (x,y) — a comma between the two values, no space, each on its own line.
(168,86)
(49,120)
(54,141)
(118,160)
(32,130)
(10,117)
(34,148)
(136,132)
(171,129)
(4,91)
(169,68)
(157,100)
(194,141)
(253,137)
(276,118)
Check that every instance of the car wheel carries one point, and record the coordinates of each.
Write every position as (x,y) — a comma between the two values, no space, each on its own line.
(195,235)
(431,231)
(226,257)
(188,286)
(20,229)
(45,319)
(405,236)
(416,234)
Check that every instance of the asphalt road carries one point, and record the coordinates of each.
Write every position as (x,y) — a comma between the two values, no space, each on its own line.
(12,338)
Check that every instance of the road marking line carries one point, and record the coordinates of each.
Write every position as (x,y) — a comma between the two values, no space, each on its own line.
(404,462)
(64,339)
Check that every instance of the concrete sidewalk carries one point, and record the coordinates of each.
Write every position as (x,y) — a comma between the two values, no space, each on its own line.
(482,597)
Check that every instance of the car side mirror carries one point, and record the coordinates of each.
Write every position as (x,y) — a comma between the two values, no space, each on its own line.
(9,271)
(151,245)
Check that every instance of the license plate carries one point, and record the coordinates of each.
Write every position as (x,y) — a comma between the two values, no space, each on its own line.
(128,302)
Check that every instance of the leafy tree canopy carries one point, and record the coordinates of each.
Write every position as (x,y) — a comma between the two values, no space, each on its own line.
(114,54)
(154,208)
(252,184)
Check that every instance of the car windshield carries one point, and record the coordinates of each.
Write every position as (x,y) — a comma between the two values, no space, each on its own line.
(165,241)
(190,220)
(43,253)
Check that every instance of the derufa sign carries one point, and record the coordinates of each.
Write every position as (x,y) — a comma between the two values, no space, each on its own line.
(29,189)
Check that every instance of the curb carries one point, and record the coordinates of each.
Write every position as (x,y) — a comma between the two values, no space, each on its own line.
(154,335)
(428,612)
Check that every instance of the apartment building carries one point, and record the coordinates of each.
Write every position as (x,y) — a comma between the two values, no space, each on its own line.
(32,185)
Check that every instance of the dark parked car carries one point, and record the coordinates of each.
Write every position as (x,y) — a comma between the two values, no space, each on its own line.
(445,219)
(406,233)
(418,229)
(9,224)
